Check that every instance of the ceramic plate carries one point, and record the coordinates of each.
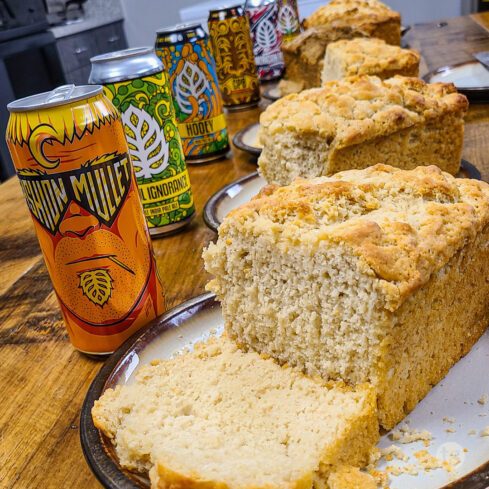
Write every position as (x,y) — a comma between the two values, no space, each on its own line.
(230,197)
(242,190)
(272,93)
(455,398)
(471,78)
(247,139)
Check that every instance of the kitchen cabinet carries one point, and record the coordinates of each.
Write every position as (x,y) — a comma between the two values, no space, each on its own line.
(76,50)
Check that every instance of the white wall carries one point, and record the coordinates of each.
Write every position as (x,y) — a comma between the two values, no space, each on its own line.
(144,17)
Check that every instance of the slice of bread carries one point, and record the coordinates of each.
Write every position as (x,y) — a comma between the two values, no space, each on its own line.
(222,418)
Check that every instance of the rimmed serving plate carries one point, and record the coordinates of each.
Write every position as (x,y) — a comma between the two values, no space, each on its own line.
(455,397)
(272,93)
(247,139)
(242,190)
(230,197)
(470,78)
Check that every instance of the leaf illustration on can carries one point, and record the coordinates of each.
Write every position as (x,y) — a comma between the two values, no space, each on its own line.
(266,37)
(96,285)
(147,144)
(190,84)
(287,20)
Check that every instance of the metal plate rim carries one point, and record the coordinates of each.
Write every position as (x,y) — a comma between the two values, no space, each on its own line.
(473,93)
(209,214)
(240,144)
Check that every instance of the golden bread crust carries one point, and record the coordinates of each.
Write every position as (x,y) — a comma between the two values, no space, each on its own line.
(348,477)
(369,56)
(353,110)
(403,225)
(363,13)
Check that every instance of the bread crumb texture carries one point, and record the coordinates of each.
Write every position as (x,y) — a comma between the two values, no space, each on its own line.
(218,417)
(347,477)
(359,121)
(378,275)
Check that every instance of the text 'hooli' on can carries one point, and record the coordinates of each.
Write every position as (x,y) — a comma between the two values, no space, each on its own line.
(136,84)
(72,160)
(229,31)
(187,57)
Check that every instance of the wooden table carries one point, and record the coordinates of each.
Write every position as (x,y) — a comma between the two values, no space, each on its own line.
(43,380)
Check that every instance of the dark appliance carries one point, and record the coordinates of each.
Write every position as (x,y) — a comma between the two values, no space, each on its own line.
(482,5)
(29,61)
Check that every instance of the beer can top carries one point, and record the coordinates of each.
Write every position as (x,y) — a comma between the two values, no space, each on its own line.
(124,65)
(65,94)
(172,29)
(226,6)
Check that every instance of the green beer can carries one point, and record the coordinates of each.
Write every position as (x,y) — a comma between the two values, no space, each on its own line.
(135,82)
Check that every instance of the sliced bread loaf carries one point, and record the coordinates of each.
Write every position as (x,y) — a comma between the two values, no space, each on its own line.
(218,417)
(359,121)
(378,275)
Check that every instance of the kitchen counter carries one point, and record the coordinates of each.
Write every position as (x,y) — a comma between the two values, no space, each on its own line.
(97,13)
(85,25)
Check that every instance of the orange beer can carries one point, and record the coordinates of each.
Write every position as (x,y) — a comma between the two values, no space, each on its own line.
(72,161)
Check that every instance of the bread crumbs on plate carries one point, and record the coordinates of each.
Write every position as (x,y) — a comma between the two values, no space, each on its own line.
(483,399)
(448,419)
(428,461)
(392,452)
(406,434)
(485,431)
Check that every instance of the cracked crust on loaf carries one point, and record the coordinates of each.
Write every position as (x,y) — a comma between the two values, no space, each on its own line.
(360,121)
(364,56)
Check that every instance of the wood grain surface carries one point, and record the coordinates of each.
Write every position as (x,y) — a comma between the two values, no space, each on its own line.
(43,380)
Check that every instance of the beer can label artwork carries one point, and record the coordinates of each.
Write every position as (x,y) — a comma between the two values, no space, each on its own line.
(267,40)
(233,52)
(288,21)
(155,147)
(75,172)
(196,96)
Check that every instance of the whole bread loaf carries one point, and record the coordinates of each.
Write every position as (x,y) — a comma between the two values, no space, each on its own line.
(378,275)
(339,19)
(221,418)
(359,121)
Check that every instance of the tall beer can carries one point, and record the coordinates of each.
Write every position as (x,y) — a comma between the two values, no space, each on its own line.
(288,21)
(266,37)
(230,36)
(134,81)
(72,161)
(187,58)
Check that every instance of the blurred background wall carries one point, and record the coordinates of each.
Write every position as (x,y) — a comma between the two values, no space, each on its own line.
(143,17)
